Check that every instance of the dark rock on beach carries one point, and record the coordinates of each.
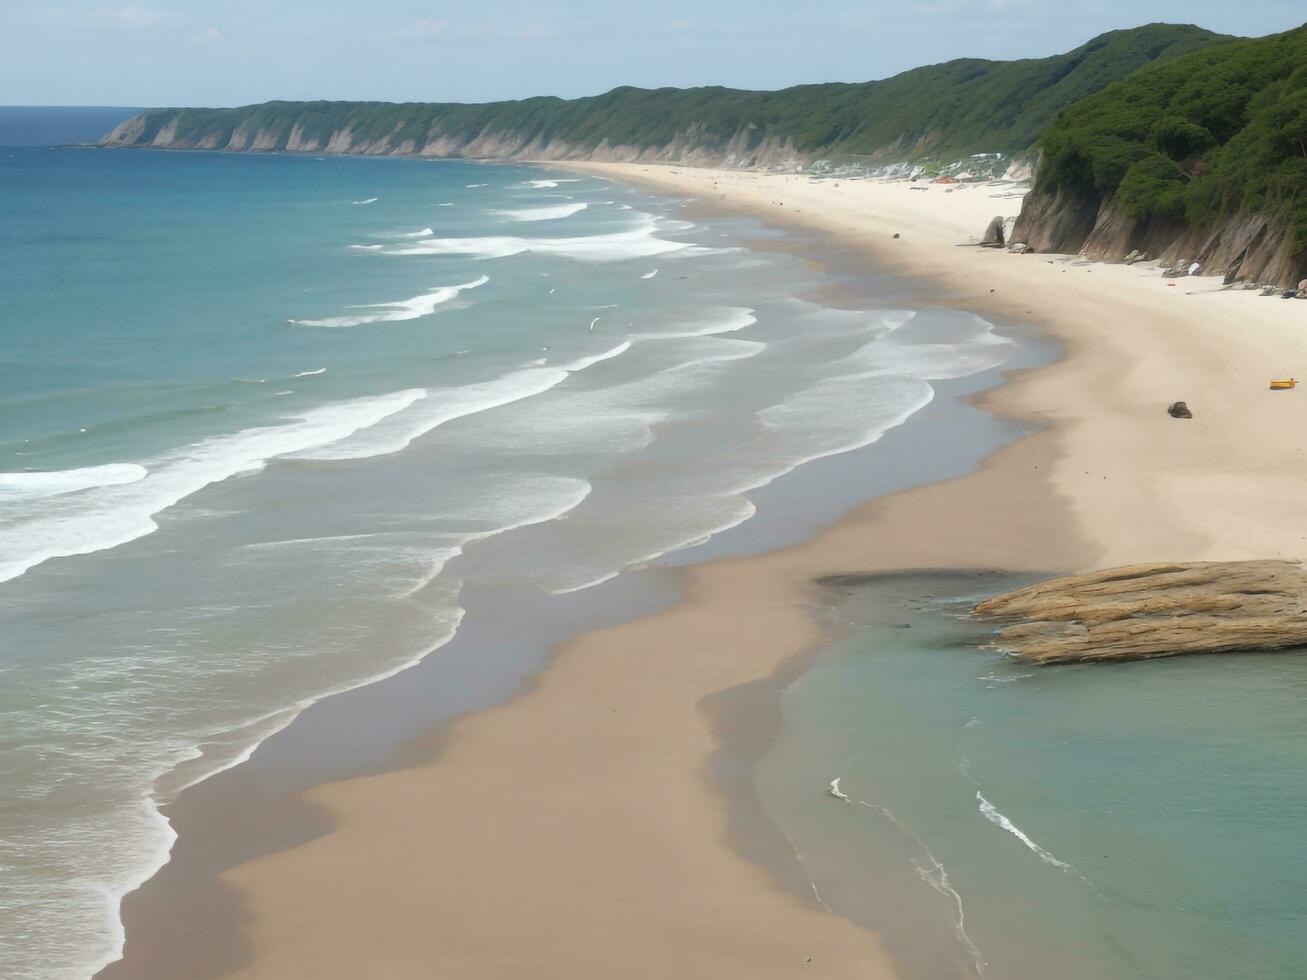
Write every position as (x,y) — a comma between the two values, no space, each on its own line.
(994,237)
(1179,410)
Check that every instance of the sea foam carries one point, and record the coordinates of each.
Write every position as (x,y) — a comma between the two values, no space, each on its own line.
(547,184)
(51,483)
(638,241)
(404,309)
(108,515)
(544,214)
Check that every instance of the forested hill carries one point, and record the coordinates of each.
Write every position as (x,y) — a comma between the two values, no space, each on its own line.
(1203,158)
(944,111)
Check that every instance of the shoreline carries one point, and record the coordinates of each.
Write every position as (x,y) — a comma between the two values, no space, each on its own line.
(186,920)
(1014,519)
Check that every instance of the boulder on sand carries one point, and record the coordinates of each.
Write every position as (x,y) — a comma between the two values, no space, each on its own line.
(1179,410)
(994,237)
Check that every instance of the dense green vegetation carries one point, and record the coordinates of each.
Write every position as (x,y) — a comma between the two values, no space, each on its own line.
(1216,133)
(952,109)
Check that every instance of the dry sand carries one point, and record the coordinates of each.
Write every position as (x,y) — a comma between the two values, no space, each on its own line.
(576,832)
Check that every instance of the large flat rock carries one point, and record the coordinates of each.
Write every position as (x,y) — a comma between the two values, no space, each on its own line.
(1157,610)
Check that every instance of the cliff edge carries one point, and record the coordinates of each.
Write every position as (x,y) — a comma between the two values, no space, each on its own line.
(1202,159)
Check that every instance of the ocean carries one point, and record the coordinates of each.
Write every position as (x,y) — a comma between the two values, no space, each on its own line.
(266,420)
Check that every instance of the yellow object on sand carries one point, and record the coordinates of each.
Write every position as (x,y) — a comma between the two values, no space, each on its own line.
(1279,384)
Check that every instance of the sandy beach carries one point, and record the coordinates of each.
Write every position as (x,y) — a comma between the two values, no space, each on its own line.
(578,831)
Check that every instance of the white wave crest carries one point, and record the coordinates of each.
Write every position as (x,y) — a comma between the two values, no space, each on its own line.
(725,319)
(638,241)
(53,482)
(544,214)
(440,406)
(554,182)
(111,515)
(370,200)
(309,374)
(405,309)
(581,363)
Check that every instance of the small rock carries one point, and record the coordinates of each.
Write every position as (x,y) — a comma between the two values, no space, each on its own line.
(1289,294)
(1179,410)
(896,234)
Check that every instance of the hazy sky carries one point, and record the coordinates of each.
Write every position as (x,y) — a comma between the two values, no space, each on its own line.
(231,52)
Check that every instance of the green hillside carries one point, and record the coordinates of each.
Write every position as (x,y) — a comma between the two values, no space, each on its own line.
(1214,134)
(947,110)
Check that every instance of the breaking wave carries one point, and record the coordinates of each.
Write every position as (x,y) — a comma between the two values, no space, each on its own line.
(110,514)
(544,214)
(54,482)
(404,309)
(639,241)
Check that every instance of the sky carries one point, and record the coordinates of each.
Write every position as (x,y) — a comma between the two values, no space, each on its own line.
(236,52)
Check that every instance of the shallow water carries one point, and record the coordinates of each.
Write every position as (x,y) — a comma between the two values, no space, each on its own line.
(1127,820)
(263,420)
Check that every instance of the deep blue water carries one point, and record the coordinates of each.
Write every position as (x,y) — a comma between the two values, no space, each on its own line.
(40,126)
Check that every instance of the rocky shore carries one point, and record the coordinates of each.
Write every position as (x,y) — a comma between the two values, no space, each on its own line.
(1154,610)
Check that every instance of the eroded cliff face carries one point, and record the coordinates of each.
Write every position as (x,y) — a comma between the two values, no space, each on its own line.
(691,147)
(1253,247)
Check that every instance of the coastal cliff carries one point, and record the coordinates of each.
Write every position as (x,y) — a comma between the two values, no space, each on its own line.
(1202,159)
(946,111)
(426,133)
(1249,246)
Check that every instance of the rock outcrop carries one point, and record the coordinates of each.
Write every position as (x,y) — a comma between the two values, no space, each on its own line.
(1157,610)
(1247,247)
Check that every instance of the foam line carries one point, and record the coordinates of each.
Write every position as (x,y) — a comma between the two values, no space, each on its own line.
(544,214)
(404,309)
(998,819)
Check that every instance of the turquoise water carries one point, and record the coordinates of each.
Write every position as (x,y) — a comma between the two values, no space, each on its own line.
(265,420)
(1138,820)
